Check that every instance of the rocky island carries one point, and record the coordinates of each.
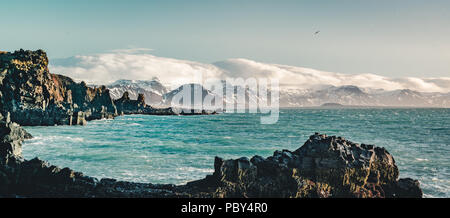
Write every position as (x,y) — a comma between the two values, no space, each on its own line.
(323,167)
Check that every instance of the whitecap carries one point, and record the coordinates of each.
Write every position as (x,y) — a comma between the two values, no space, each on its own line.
(134,124)
(75,139)
(195,169)
(421,159)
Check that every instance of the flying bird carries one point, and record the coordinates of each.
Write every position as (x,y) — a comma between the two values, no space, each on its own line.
(317,32)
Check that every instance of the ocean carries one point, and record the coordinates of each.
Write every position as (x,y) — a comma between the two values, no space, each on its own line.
(177,149)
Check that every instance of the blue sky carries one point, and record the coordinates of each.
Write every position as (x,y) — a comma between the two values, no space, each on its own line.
(390,38)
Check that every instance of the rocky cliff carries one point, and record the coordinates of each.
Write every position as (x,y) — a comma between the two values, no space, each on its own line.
(34,96)
(11,137)
(325,166)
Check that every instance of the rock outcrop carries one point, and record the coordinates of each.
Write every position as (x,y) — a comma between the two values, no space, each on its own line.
(11,137)
(125,105)
(35,97)
(325,166)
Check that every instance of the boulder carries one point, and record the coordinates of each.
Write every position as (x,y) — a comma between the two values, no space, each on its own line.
(325,166)
(11,138)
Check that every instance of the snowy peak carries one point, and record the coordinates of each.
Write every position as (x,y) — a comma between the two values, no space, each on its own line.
(355,96)
(153,90)
(157,94)
(174,97)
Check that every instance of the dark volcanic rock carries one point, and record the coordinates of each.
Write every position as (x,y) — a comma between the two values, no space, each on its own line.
(34,96)
(37,178)
(325,166)
(11,137)
(127,106)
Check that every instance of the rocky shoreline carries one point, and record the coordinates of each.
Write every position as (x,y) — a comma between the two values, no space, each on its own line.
(324,167)
(35,97)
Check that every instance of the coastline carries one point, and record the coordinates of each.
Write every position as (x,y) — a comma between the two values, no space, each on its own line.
(325,166)
(319,169)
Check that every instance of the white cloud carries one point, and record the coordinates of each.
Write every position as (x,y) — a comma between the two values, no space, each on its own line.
(109,67)
(132,64)
(298,77)
(132,50)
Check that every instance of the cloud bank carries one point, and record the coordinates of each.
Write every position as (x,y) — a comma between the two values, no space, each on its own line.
(122,64)
(109,67)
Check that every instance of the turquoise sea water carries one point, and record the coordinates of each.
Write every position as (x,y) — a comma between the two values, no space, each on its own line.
(177,149)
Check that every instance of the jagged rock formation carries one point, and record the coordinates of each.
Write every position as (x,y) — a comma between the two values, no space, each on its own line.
(11,137)
(37,178)
(34,96)
(127,106)
(323,167)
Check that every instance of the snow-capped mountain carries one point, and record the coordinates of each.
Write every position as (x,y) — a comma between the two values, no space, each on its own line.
(175,97)
(407,97)
(345,95)
(216,98)
(298,86)
(158,95)
(355,96)
(153,90)
(108,67)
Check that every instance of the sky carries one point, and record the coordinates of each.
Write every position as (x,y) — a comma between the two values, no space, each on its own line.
(395,38)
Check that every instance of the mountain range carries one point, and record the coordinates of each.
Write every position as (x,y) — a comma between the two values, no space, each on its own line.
(159,95)
(159,79)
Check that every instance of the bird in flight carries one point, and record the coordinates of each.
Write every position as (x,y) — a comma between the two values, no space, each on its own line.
(317,32)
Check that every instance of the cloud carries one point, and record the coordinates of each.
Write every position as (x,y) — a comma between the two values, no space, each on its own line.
(132,64)
(132,50)
(109,67)
(298,77)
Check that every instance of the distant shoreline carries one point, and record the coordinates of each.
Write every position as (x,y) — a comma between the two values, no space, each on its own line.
(364,107)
